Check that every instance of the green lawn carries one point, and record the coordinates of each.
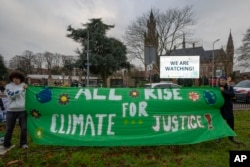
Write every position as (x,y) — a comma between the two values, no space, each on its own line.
(207,154)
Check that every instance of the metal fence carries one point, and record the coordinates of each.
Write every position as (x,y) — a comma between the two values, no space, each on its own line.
(241,106)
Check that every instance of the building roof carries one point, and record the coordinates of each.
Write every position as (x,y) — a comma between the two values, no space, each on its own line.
(55,77)
(205,56)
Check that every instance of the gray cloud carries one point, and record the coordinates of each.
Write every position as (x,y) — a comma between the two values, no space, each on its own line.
(41,26)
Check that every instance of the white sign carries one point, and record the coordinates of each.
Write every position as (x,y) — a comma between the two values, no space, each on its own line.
(218,73)
(179,66)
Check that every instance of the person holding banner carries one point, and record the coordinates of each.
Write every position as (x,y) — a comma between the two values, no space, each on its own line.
(15,92)
(227,108)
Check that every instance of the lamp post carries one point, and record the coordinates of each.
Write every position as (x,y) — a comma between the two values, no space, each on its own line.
(63,78)
(88,52)
(213,62)
(87,84)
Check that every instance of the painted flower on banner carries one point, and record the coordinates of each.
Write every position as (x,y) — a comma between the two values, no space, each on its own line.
(35,113)
(64,99)
(134,93)
(194,96)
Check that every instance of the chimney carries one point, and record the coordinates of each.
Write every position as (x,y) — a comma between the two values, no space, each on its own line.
(193,45)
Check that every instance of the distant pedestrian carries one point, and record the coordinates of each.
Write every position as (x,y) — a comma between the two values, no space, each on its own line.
(15,92)
(230,81)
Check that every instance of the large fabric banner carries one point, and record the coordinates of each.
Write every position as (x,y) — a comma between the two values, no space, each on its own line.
(124,116)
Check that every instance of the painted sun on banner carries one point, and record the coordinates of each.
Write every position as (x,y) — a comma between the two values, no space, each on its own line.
(124,116)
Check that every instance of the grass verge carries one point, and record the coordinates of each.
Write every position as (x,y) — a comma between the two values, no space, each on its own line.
(204,154)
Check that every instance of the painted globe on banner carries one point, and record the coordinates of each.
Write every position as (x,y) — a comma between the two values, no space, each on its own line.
(209,97)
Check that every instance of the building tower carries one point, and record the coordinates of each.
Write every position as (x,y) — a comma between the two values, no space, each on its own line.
(230,55)
(151,41)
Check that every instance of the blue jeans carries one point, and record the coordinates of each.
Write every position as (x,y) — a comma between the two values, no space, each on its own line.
(11,118)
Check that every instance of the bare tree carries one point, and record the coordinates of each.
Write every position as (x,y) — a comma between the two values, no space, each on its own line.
(134,38)
(14,63)
(33,63)
(57,63)
(28,58)
(38,62)
(68,64)
(170,26)
(48,58)
(243,58)
(23,62)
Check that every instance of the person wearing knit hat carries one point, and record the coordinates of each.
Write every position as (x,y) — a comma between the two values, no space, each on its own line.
(223,77)
(226,109)
(15,92)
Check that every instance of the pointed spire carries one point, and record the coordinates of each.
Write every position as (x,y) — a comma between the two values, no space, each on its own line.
(151,15)
(230,53)
(230,45)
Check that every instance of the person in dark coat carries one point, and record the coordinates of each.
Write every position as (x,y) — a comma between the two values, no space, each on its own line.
(1,101)
(227,108)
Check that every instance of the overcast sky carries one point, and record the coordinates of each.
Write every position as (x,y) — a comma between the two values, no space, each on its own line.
(41,25)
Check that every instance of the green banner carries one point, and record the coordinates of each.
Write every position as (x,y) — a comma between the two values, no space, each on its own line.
(124,116)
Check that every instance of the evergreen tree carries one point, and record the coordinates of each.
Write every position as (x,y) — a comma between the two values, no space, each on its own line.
(3,69)
(106,55)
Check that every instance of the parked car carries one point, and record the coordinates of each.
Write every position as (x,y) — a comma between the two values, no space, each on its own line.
(162,85)
(242,91)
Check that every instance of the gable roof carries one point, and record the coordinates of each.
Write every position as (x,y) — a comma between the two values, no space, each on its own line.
(205,56)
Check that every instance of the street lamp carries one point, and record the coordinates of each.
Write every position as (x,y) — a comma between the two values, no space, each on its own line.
(63,78)
(87,84)
(88,52)
(213,62)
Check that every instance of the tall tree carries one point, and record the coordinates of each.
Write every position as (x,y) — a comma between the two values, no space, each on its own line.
(170,24)
(23,62)
(49,57)
(107,55)
(27,61)
(69,62)
(38,62)
(243,58)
